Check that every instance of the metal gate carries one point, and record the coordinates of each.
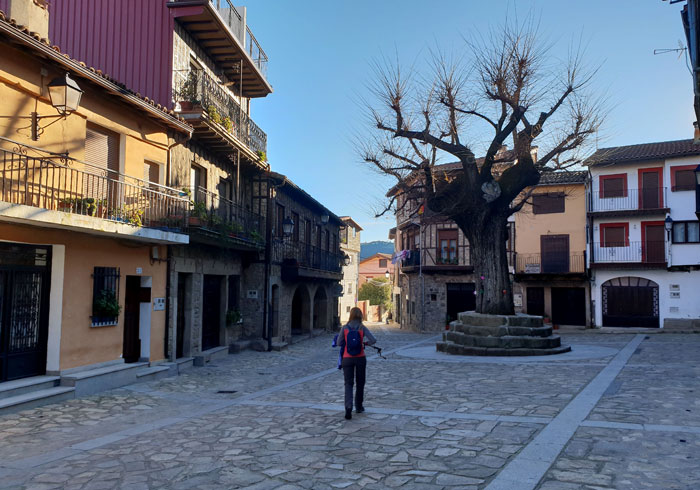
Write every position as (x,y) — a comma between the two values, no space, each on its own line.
(630,302)
(24,310)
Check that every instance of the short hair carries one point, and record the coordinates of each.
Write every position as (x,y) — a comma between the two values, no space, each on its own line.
(356,314)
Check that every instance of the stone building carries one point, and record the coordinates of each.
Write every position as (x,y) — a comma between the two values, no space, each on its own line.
(208,69)
(304,263)
(350,245)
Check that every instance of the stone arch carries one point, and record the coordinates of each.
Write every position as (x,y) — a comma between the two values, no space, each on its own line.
(301,311)
(630,302)
(321,309)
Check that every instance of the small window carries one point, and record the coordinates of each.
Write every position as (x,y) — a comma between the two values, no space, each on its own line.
(105,296)
(295,233)
(683,178)
(613,186)
(548,203)
(686,232)
(280,220)
(151,172)
(614,235)
(382,263)
(347,309)
(354,232)
(349,288)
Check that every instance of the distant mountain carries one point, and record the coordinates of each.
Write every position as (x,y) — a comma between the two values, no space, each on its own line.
(370,248)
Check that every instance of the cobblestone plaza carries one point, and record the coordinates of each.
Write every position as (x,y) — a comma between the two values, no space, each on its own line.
(619,411)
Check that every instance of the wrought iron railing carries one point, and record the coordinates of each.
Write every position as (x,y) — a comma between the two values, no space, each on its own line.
(60,183)
(224,216)
(200,90)
(305,255)
(627,199)
(650,252)
(551,263)
(256,52)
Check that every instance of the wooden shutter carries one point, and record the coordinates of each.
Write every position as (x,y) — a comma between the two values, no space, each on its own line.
(102,148)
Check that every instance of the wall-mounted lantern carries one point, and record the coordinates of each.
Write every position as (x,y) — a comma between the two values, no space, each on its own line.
(287,226)
(324,219)
(65,95)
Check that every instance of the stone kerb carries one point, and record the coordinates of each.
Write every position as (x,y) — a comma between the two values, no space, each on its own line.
(500,335)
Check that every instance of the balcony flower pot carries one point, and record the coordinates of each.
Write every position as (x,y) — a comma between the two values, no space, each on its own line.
(195,221)
(186,105)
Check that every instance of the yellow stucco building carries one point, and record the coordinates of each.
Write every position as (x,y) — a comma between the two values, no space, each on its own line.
(85,220)
(550,244)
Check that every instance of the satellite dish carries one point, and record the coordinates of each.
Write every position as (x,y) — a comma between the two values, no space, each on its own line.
(491,190)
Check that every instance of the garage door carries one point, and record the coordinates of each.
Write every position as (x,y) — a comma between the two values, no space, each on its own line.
(569,306)
(630,302)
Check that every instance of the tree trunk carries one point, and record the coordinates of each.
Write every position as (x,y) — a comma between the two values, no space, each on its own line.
(487,245)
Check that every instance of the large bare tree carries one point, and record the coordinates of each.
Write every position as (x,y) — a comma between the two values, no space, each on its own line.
(507,89)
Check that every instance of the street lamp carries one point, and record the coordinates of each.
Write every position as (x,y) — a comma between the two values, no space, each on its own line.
(386,274)
(346,259)
(287,226)
(65,96)
(668,223)
(324,219)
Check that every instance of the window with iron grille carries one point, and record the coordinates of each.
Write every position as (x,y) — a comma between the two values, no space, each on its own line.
(105,296)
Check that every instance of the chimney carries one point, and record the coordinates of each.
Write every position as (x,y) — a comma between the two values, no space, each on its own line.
(32,14)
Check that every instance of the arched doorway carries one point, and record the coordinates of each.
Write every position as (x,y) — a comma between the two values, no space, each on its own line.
(630,302)
(321,309)
(301,303)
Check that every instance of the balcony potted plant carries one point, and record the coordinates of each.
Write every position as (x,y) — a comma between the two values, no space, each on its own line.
(105,308)
(256,237)
(188,93)
(134,217)
(228,124)
(214,114)
(261,155)
(199,214)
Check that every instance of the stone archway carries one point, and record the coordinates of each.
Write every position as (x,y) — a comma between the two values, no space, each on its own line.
(301,311)
(321,306)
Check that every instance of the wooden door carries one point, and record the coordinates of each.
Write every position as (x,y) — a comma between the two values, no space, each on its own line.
(650,191)
(132,312)
(535,301)
(555,253)
(654,246)
(211,311)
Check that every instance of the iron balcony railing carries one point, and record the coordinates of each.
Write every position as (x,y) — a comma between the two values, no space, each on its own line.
(234,21)
(60,183)
(627,200)
(649,252)
(460,257)
(198,89)
(224,216)
(305,255)
(551,263)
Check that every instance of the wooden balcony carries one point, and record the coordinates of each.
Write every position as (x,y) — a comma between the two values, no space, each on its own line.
(219,29)
(301,261)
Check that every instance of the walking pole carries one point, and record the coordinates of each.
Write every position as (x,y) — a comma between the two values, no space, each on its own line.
(378,349)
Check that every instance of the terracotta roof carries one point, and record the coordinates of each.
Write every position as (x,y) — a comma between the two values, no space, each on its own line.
(646,151)
(563,177)
(22,35)
(348,219)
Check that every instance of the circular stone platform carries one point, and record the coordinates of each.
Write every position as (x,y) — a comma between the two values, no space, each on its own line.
(578,352)
(477,334)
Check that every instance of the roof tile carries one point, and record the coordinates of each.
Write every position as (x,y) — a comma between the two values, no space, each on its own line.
(645,151)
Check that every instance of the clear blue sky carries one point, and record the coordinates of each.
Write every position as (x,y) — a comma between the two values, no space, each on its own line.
(320,53)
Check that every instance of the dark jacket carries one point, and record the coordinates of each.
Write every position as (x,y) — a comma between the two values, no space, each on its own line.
(368,338)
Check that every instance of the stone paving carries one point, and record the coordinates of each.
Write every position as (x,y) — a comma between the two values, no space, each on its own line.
(621,411)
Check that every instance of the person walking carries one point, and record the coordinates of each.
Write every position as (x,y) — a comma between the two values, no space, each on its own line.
(353,338)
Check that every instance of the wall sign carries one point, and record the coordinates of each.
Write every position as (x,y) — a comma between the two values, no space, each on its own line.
(158,304)
(139,270)
(518,300)
(252,294)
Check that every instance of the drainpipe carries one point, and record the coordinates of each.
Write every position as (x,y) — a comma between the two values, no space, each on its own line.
(267,324)
(173,354)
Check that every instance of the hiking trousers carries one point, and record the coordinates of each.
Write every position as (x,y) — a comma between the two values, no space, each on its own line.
(354,368)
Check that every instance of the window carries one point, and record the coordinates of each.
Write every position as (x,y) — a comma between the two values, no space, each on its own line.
(683,178)
(295,233)
(614,235)
(613,186)
(447,247)
(354,232)
(548,203)
(686,232)
(382,263)
(347,309)
(151,172)
(102,148)
(198,183)
(105,296)
(349,289)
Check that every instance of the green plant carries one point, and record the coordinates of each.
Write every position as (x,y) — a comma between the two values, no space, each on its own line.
(227,123)
(255,236)
(214,114)
(233,317)
(188,92)
(134,217)
(261,155)
(106,304)
(377,292)
(199,210)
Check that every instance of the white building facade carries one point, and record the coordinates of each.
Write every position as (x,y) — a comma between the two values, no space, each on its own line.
(350,244)
(643,237)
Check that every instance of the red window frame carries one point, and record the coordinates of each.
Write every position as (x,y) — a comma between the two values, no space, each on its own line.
(658,170)
(448,234)
(603,226)
(673,176)
(601,187)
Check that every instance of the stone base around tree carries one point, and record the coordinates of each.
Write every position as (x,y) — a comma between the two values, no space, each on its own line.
(476,334)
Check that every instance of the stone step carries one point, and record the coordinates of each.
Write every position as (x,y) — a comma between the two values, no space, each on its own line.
(505,342)
(184,363)
(27,385)
(501,330)
(464,350)
(92,381)
(279,346)
(209,355)
(36,398)
(484,320)
(159,371)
